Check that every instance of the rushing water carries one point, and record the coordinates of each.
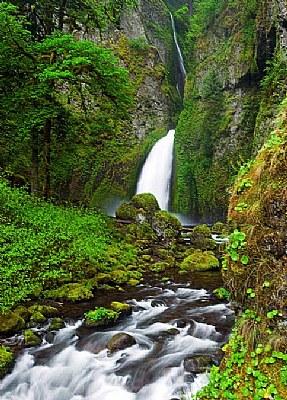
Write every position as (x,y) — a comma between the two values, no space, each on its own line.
(77,366)
(156,173)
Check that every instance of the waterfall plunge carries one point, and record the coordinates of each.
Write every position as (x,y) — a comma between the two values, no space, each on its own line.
(156,173)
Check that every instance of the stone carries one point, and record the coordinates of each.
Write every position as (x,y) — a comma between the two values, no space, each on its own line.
(197,364)
(56,324)
(38,318)
(120,341)
(31,338)
(122,308)
(11,322)
(6,360)
(199,261)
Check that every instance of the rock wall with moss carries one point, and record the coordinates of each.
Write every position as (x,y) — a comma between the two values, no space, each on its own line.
(236,74)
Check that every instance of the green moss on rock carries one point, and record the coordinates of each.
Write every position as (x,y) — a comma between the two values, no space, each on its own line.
(199,261)
(70,292)
(11,322)
(56,324)
(121,308)
(146,201)
(31,339)
(6,360)
(126,212)
(38,318)
(101,316)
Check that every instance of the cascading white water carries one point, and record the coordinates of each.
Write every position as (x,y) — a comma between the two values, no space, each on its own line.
(156,173)
(171,323)
(180,58)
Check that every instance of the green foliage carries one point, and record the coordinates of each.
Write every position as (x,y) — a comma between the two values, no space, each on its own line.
(43,246)
(199,261)
(222,293)
(101,314)
(236,245)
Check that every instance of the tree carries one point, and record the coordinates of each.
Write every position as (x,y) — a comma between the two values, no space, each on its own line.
(44,81)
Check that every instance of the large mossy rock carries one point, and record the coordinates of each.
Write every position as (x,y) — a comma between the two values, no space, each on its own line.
(199,261)
(47,311)
(200,238)
(127,212)
(101,316)
(6,360)
(120,341)
(166,227)
(11,322)
(145,201)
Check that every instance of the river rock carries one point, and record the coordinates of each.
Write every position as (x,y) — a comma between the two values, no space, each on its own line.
(31,338)
(123,309)
(192,327)
(120,341)
(157,303)
(197,364)
(56,324)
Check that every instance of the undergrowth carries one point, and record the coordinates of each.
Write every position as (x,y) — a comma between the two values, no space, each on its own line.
(43,245)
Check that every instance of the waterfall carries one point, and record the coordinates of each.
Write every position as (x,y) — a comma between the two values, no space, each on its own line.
(156,173)
(180,58)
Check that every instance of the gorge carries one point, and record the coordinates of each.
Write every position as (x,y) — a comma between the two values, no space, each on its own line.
(88,92)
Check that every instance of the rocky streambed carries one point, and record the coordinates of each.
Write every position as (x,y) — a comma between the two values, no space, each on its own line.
(176,330)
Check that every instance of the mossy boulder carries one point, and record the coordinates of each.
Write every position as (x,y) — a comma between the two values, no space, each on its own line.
(219,227)
(23,312)
(200,238)
(199,261)
(11,322)
(6,360)
(47,311)
(127,212)
(197,364)
(166,227)
(121,308)
(145,201)
(70,292)
(38,318)
(160,266)
(31,338)
(56,324)
(120,341)
(101,316)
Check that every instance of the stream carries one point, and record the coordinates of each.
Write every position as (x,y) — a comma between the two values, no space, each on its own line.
(173,323)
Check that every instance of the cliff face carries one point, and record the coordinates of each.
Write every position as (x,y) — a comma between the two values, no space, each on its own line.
(227,114)
(143,41)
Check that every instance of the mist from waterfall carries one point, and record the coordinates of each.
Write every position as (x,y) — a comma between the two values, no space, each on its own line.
(156,173)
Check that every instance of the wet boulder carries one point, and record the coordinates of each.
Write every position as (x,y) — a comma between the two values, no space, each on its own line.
(197,364)
(31,338)
(101,316)
(127,212)
(123,309)
(56,324)
(145,201)
(120,341)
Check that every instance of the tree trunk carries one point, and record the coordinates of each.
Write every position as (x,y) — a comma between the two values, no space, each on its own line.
(190,5)
(35,162)
(47,158)
(62,15)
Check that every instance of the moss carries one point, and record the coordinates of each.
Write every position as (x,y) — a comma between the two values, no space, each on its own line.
(199,261)
(11,322)
(121,308)
(70,292)
(159,266)
(38,318)
(56,324)
(31,339)
(200,238)
(47,311)
(6,360)
(146,201)
(126,212)
(101,316)
(133,282)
